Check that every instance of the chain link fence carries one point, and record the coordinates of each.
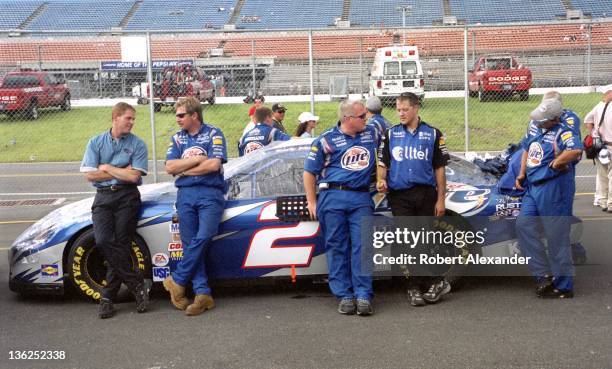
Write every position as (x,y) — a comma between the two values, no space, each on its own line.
(58,88)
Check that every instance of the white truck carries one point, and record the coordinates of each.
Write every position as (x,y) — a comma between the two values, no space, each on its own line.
(396,69)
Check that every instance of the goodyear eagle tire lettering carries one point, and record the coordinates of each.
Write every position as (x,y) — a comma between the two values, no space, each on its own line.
(87,268)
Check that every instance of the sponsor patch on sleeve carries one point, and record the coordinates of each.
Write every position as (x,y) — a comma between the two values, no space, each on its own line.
(217,140)
(566,136)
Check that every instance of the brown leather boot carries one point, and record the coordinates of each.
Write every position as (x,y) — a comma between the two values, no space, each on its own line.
(201,303)
(177,293)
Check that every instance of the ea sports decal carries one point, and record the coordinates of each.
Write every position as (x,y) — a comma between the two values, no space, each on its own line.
(193,151)
(160,259)
(535,155)
(252,146)
(355,159)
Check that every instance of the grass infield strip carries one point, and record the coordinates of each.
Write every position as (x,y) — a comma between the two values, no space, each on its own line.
(62,136)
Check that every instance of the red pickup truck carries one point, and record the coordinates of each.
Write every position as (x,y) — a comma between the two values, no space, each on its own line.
(26,91)
(499,76)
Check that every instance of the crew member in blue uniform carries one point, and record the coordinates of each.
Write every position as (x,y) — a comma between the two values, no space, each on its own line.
(262,134)
(411,166)
(340,162)
(114,162)
(375,118)
(546,165)
(195,157)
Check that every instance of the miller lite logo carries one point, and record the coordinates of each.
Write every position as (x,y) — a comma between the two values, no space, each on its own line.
(535,155)
(355,159)
(193,151)
(252,146)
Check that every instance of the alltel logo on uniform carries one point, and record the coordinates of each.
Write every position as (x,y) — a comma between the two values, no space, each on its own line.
(410,153)
(356,158)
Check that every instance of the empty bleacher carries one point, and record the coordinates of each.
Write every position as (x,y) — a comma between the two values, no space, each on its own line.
(13,13)
(595,8)
(283,14)
(388,13)
(81,15)
(181,14)
(500,11)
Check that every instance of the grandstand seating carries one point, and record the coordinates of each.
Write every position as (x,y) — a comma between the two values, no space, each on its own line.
(15,12)
(81,15)
(596,8)
(181,14)
(366,13)
(500,11)
(279,14)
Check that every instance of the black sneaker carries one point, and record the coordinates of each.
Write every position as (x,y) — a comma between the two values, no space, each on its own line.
(558,294)
(436,291)
(364,307)
(544,287)
(346,306)
(416,298)
(105,308)
(142,295)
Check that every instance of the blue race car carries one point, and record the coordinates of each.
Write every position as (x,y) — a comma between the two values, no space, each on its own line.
(60,250)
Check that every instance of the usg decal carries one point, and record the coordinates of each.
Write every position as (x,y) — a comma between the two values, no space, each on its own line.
(355,159)
(160,273)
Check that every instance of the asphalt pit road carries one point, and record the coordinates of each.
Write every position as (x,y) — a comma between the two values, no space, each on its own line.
(300,297)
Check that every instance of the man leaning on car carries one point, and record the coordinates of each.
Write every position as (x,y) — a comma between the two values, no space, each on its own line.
(195,157)
(114,163)
(340,161)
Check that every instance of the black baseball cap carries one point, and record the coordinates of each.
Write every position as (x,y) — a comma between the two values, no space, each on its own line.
(278,107)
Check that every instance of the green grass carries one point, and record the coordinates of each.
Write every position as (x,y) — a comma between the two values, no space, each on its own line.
(62,136)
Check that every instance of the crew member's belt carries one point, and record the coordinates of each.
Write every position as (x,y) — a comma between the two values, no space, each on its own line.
(116,187)
(334,186)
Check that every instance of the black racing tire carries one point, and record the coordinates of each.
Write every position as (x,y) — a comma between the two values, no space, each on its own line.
(31,112)
(66,105)
(86,265)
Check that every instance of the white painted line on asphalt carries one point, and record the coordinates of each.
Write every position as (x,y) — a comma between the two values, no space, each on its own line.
(585,176)
(40,175)
(18,221)
(46,193)
(585,193)
(4,248)
(595,218)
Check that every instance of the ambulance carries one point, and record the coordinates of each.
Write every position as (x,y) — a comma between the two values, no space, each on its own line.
(396,69)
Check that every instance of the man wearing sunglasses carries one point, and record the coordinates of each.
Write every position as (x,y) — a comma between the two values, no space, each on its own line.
(195,157)
(278,115)
(411,166)
(341,161)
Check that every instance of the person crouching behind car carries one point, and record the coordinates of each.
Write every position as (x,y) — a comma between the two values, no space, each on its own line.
(195,157)
(341,161)
(548,154)
(114,163)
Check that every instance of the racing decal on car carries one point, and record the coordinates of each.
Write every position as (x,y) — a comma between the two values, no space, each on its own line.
(175,246)
(535,155)
(252,146)
(160,259)
(355,159)
(465,199)
(174,228)
(263,251)
(49,270)
(160,273)
(176,255)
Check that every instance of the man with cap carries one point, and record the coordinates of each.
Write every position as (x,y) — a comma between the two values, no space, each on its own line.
(341,161)
(599,124)
(545,163)
(374,115)
(278,115)
(307,123)
(262,134)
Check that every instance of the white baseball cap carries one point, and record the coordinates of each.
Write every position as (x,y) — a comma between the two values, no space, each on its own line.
(306,116)
(604,156)
(604,89)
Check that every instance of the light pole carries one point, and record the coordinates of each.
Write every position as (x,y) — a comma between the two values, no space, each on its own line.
(404,9)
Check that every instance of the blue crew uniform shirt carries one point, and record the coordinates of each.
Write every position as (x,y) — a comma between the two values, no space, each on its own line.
(121,152)
(261,135)
(339,159)
(380,123)
(412,157)
(209,142)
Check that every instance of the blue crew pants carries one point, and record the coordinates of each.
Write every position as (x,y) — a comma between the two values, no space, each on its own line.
(199,209)
(340,214)
(547,207)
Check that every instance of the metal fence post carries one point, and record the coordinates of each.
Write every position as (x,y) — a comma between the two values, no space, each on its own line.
(589,55)
(361,66)
(254,74)
(151,105)
(311,68)
(466,94)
